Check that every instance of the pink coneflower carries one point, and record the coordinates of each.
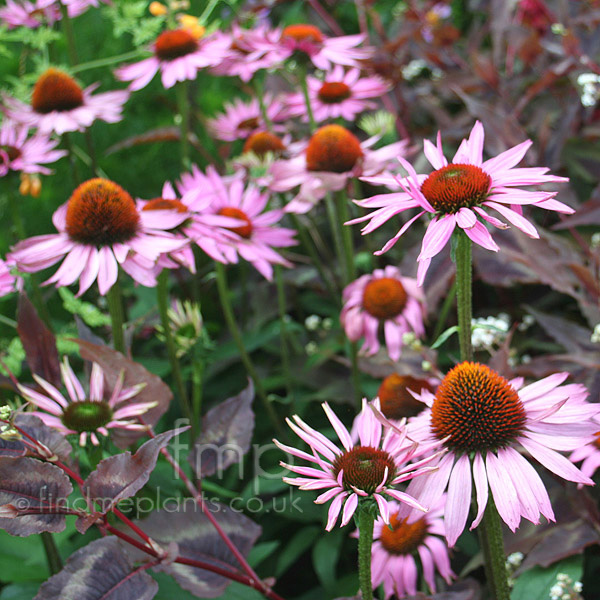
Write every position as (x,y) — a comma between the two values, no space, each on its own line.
(324,52)
(59,104)
(257,235)
(178,55)
(589,454)
(383,300)
(100,228)
(86,414)
(457,194)
(78,7)
(246,53)
(241,119)
(339,94)
(19,153)
(396,546)
(370,469)
(484,421)
(396,395)
(29,14)
(332,157)
(7,279)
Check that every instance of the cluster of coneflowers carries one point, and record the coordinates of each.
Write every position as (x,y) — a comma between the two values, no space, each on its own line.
(467,434)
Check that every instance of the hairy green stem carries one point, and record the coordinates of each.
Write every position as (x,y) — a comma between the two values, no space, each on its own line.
(365,541)
(115,309)
(162,298)
(285,350)
(309,111)
(225,297)
(183,106)
(464,295)
(52,555)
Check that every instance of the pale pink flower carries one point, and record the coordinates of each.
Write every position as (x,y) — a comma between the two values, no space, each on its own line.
(78,7)
(383,300)
(589,454)
(370,469)
(307,40)
(485,422)
(243,118)
(86,413)
(178,55)
(29,14)
(458,194)
(339,94)
(254,239)
(332,157)
(27,155)
(100,229)
(59,104)
(396,547)
(7,279)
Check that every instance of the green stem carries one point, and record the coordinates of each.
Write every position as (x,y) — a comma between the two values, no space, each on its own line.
(107,62)
(337,234)
(72,158)
(115,308)
(442,317)
(197,375)
(490,538)
(184,114)
(309,111)
(67,26)
(464,295)
(162,297)
(52,555)
(225,297)
(341,205)
(356,378)
(285,351)
(365,541)
(259,91)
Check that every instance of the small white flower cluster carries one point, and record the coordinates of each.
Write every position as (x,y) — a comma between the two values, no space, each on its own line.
(489,330)
(595,240)
(513,562)
(565,588)
(7,431)
(595,339)
(590,88)
(379,123)
(319,325)
(414,68)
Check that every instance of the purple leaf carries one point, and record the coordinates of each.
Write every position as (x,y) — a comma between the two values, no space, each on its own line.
(38,341)
(26,483)
(99,571)
(123,475)
(112,363)
(197,539)
(226,433)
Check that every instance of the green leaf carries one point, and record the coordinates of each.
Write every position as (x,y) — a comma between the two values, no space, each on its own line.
(326,554)
(262,551)
(91,315)
(19,591)
(535,584)
(444,336)
(295,548)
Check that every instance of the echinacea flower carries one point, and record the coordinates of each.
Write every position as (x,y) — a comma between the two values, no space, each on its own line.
(485,421)
(255,234)
(331,158)
(27,155)
(100,229)
(370,469)
(396,395)
(59,104)
(589,454)
(30,14)
(7,279)
(78,7)
(382,300)
(457,194)
(243,118)
(339,94)
(86,413)
(397,545)
(178,55)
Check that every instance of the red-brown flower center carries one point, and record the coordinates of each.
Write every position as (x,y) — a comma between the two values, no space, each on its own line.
(262,142)
(333,148)
(11,151)
(101,213)
(302,33)
(364,468)
(87,415)
(174,43)
(334,92)
(477,408)
(396,401)
(249,124)
(55,90)
(403,538)
(456,186)
(596,441)
(244,231)
(165,204)
(384,298)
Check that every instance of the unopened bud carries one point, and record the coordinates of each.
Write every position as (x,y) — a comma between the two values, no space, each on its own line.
(25,185)
(157,9)
(35,186)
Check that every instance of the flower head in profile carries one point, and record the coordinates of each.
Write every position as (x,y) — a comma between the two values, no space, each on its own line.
(178,54)
(86,412)
(26,154)
(460,194)
(100,229)
(485,422)
(341,93)
(382,300)
(367,470)
(589,454)
(7,279)
(396,395)
(332,157)
(59,104)
(400,546)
